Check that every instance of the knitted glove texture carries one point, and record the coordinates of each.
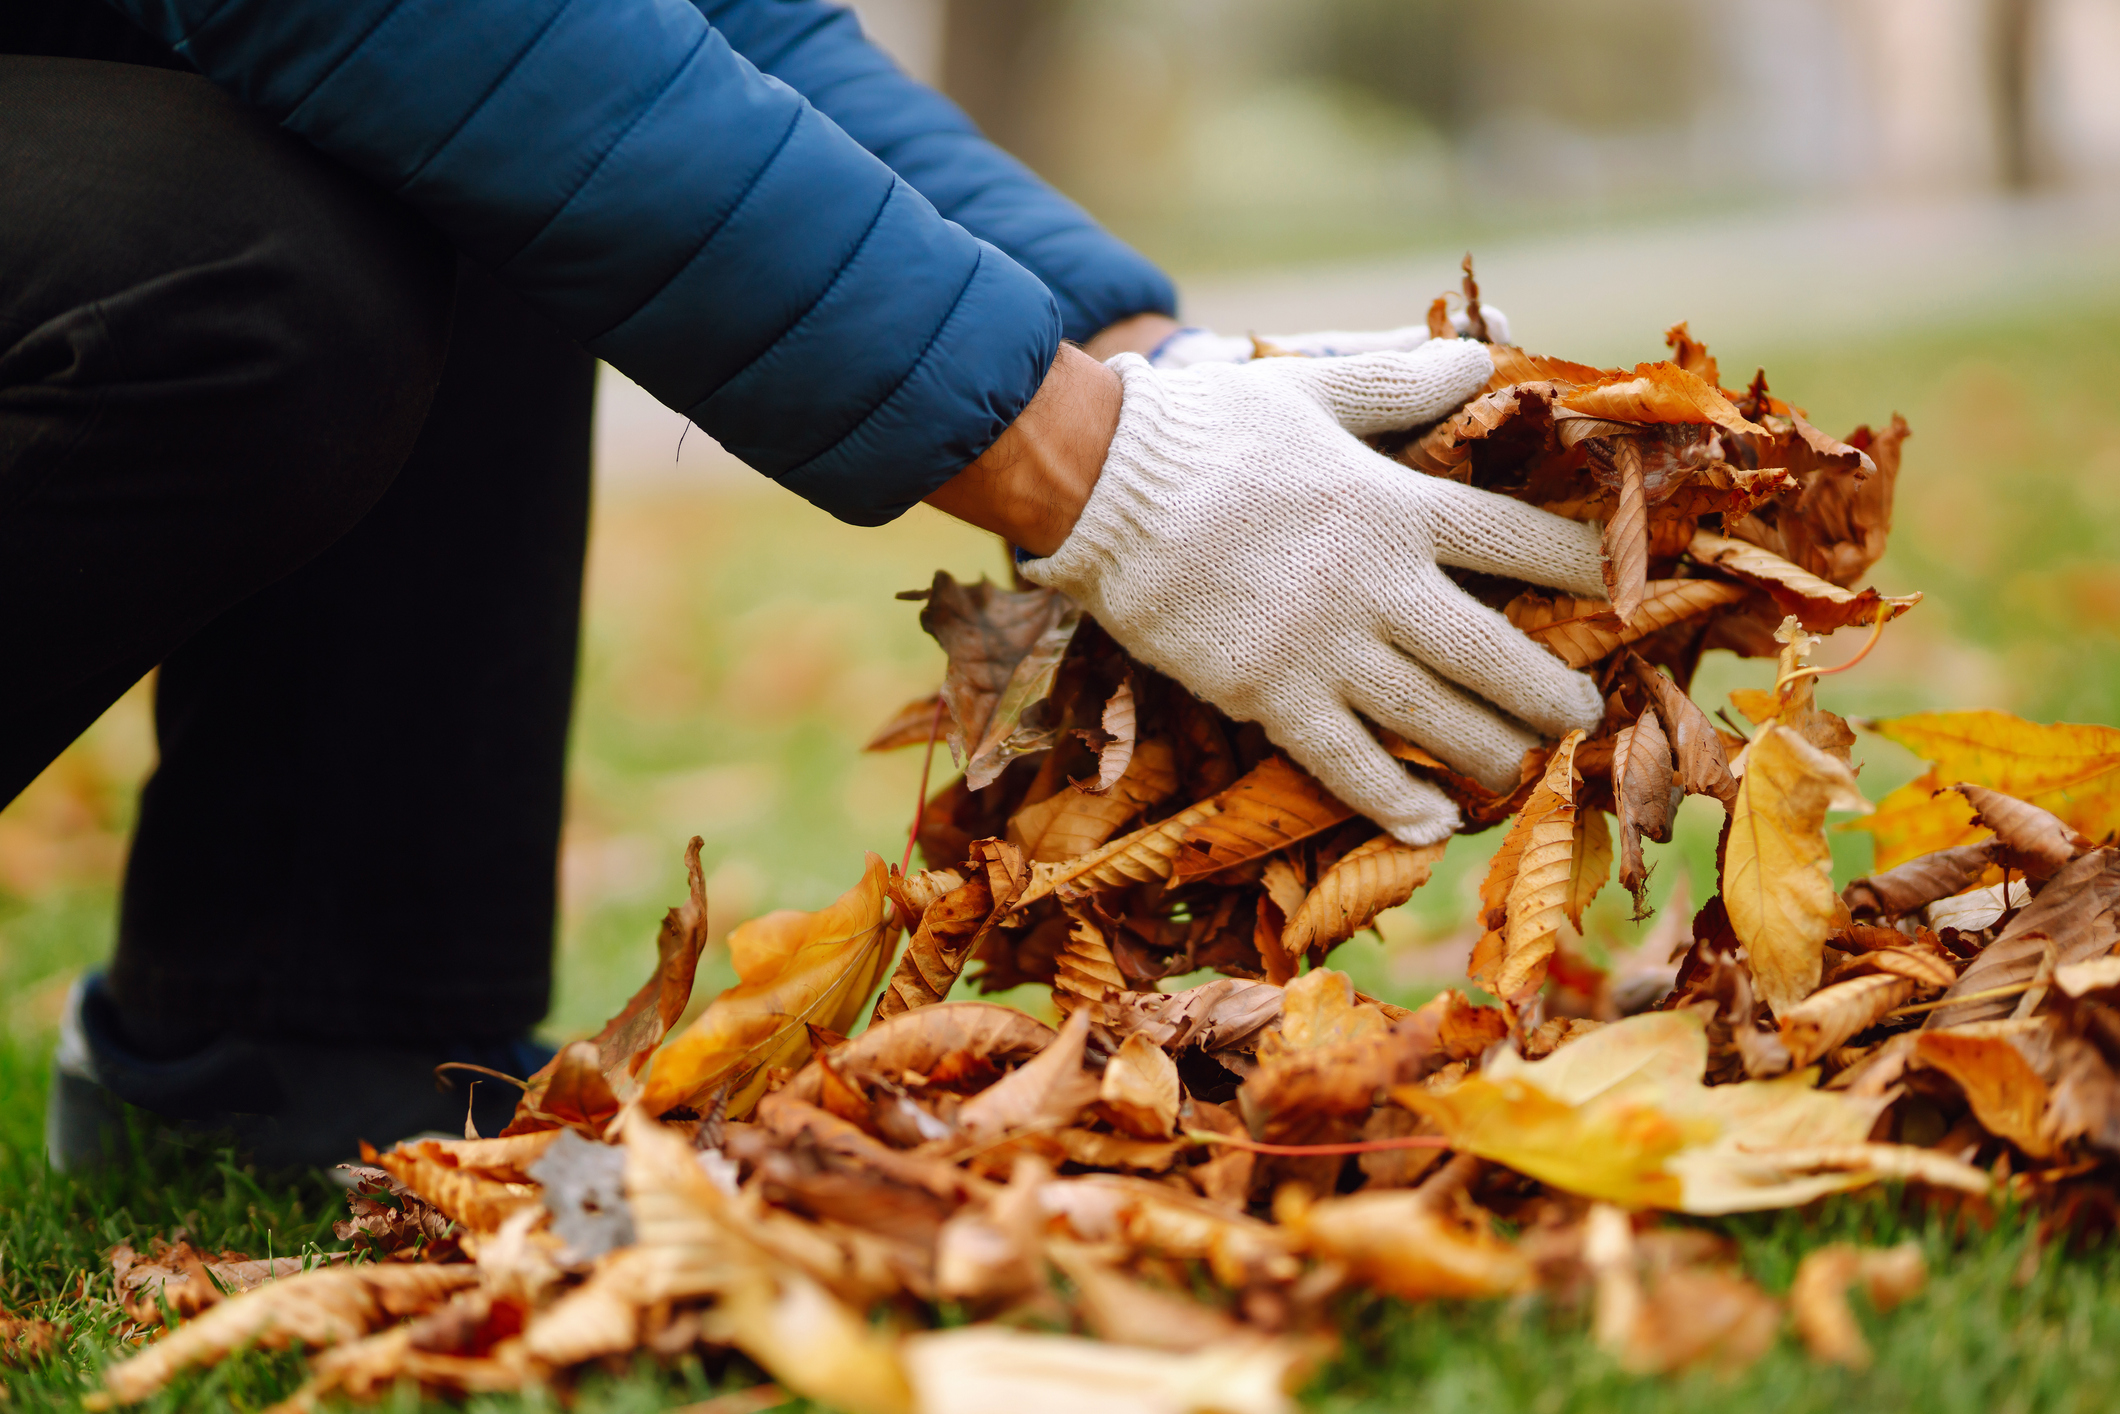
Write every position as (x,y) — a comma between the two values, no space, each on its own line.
(1243,540)
(1195,345)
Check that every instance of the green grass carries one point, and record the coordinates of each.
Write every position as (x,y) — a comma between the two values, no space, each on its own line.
(739,648)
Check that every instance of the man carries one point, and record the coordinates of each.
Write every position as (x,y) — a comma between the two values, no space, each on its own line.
(298,307)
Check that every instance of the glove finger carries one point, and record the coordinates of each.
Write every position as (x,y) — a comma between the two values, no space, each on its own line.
(1471,737)
(1378,392)
(1474,646)
(1333,745)
(1480,530)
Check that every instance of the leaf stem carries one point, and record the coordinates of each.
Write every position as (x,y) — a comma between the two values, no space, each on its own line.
(2014,989)
(1361,1146)
(927,762)
(1876,632)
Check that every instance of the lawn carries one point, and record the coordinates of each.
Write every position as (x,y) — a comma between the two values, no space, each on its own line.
(740,647)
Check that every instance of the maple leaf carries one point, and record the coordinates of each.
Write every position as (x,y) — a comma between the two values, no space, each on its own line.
(1777,867)
(794,970)
(2072,771)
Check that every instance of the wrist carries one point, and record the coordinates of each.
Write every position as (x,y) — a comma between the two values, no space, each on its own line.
(1031,485)
(1139,333)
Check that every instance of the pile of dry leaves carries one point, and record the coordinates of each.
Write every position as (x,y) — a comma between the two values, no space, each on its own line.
(1154,1205)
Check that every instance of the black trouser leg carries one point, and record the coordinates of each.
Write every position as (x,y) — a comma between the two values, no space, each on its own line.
(216,353)
(354,828)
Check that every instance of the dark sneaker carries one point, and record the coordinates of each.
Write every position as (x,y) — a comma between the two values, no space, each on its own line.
(286,1104)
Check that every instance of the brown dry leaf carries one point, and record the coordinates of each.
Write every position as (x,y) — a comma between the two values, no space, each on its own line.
(1367,880)
(1075,819)
(1328,1060)
(1127,1312)
(1046,1093)
(1004,649)
(1818,604)
(318,1308)
(1645,788)
(941,1042)
(1398,1243)
(1829,1016)
(622,1048)
(1692,355)
(1084,971)
(187,1280)
(1446,449)
(1837,523)
(1591,865)
(477,1202)
(1680,1317)
(1818,1298)
(1544,887)
(2008,1096)
(1626,533)
(2074,916)
(1660,392)
(2039,842)
(796,970)
(2070,770)
(1119,725)
(916,724)
(939,947)
(25,1340)
(1140,1089)
(1512,365)
(981,1369)
(1778,868)
(1147,854)
(1582,631)
(1273,806)
(1703,765)
(571,1091)
(1227,1013)
(1486,963)
(1920,881)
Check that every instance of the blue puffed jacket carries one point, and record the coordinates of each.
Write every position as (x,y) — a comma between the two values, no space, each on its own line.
(742,204)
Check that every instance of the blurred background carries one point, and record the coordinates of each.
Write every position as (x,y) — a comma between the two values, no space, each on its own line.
(1908,205)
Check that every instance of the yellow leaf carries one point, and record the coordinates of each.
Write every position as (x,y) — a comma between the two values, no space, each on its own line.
(1778,870)
(2070,769)
(796,970)
(1622,1114)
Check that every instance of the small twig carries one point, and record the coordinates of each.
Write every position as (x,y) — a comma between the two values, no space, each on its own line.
(1361,1146)
(927,762)
(2012,990)
(1876,632)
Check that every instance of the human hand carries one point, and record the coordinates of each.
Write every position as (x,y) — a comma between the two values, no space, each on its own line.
(1184,348)
(1243,539)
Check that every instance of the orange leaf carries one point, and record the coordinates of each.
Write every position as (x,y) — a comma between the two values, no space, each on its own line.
(1272,807)
(1660,392)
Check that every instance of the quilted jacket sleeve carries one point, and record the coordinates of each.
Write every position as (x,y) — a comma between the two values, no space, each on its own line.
(818,49)
(692,220)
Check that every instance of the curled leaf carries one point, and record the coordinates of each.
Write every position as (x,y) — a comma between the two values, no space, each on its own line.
(795,970)
(1584,631)
(1364,882)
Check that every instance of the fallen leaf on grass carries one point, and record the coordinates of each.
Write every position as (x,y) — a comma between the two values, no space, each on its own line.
(317,1309)
(795,970)
(1397,1242)
(1663,1321)
(1622,1114)
(981,1369)
(1818,1298)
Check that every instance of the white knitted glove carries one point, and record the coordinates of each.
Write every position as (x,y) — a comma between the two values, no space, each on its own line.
(1194,345)
(1243,540)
